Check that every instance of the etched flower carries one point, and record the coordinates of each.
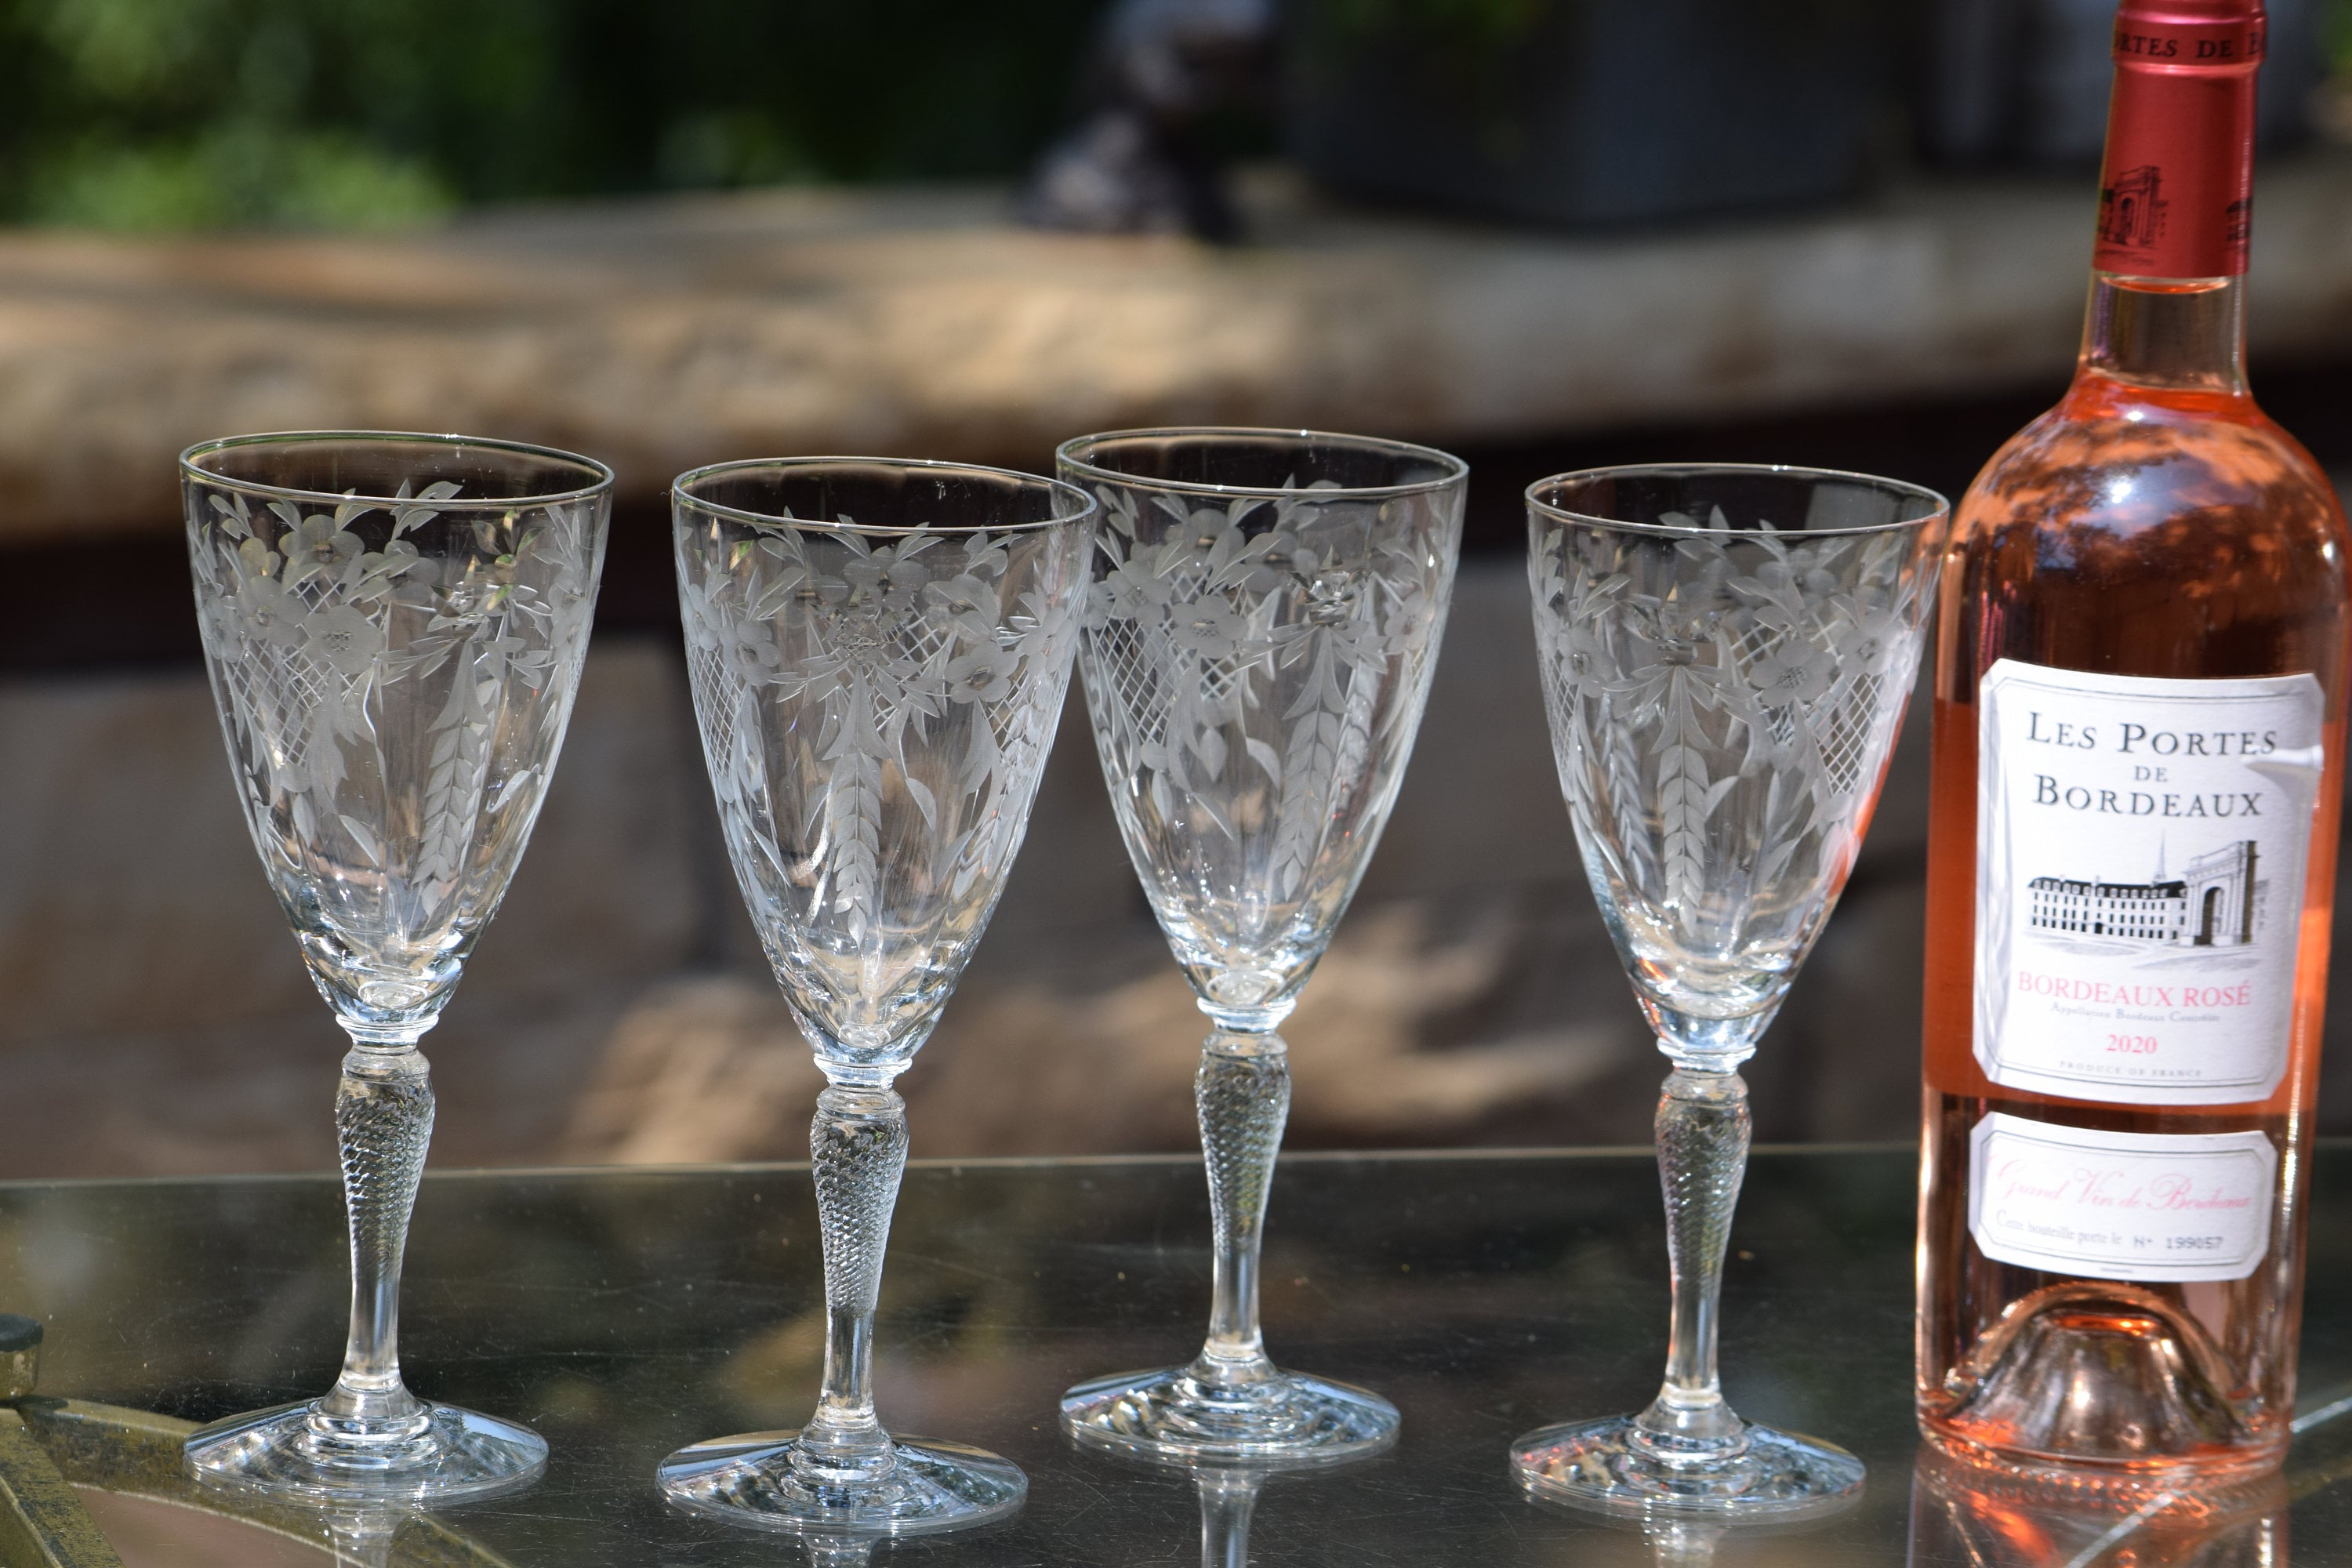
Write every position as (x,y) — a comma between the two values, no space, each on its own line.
(972,605)
(1133,595)
(1411,613)
(1204,542)
(1796,671)
(379,570)
(983,675)
(1581,657)
(1868,644)
(1207,628)
(345,638)
(255,559)
(749,649)
(706,629)
(266,613)
(1035,625)
(903,577)
(316,544)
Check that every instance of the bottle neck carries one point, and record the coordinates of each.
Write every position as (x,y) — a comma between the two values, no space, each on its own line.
(2186,334)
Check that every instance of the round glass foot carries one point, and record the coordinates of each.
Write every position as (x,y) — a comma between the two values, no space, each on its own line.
(446,1455)
(933,1485)
(1594,1464)
(1170,1414)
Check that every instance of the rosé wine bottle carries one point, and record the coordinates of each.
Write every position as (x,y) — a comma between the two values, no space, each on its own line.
(2138,732)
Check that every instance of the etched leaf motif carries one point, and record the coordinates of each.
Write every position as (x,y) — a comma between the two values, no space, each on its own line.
(870,705)
(379,665)
(1721,702)
(1254,671)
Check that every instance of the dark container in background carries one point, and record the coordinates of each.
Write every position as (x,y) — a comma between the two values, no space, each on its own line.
(1588,112)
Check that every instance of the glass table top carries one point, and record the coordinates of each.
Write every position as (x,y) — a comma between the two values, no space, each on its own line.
(626,1312)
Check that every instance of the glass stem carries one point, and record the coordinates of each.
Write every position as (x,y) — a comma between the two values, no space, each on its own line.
(857,1148)
(1226,1499)
(383,1119)
(1243,1094)
(1702,1128)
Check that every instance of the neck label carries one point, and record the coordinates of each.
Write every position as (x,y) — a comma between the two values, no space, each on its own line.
(2175,191)
(2141,845)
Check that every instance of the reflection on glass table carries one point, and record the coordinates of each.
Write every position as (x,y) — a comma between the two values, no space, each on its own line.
(622,1313)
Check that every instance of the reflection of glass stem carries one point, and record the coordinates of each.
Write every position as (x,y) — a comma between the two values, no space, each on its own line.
(1684,1543)
(1226,1499)
(857,1149)
(839,1550)
(1243,1094)
(1702,1132)
(363,1539)
(383,1119)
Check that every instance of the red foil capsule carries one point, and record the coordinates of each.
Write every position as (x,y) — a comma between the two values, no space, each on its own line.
(2175,195)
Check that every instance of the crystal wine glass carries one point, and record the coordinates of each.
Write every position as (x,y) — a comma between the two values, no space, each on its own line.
(1727,651)
(879,650)
(1259,641)
(395,625)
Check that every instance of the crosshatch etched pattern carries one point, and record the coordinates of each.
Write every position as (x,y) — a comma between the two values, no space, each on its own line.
(394,681)
(1254,672)
(1717,700)
(875,712)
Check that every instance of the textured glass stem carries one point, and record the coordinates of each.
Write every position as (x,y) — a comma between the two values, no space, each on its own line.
(1243,1094)
(1702,1131)
(1226,1499)
(383,1119)
(857,1149)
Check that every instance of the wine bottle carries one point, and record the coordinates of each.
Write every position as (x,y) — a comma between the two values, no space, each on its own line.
(2138,736)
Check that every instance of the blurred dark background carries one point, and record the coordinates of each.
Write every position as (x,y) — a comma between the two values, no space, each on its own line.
(165,114)
(1544,234)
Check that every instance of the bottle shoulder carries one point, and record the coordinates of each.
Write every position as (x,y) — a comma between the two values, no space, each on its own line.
(2181,536)
(2114,466)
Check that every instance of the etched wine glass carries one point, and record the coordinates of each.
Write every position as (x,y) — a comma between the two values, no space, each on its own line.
(1259,640)
(1727,651)
(394,625)
(879,650)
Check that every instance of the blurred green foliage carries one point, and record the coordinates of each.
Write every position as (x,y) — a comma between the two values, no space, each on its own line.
(187,114)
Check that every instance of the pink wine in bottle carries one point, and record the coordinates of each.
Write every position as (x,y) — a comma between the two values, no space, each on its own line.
(2138,747)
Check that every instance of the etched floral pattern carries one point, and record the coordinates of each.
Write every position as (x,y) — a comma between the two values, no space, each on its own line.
(394,678)
(1256,670)
(1722,702)
(875,710)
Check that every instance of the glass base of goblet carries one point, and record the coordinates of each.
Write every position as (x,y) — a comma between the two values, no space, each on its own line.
(1172,1415)
(931,1486)
(1597,1465)
(450,1455)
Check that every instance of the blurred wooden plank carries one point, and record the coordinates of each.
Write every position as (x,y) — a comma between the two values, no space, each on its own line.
(664,333)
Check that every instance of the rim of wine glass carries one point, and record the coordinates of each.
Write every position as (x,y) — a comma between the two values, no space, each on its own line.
(1456,470)
(1940,507)
(601,484)
(680,495)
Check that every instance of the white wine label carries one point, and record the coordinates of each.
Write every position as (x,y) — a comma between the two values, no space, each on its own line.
(2149,1207)
(2140,855)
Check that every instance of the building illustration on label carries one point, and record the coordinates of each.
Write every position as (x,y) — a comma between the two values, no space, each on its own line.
(2211,904)
(2131,211)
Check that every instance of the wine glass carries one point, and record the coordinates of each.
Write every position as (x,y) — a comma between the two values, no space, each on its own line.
(1259,640)
(394,625)
(878,649)
(1727,651)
